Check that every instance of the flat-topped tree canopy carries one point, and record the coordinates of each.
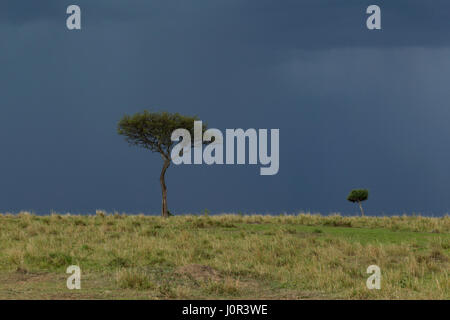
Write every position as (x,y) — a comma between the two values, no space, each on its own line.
(153,130)
(357,195)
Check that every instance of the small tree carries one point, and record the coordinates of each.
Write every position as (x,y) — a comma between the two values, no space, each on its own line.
(153,131)
(358,195)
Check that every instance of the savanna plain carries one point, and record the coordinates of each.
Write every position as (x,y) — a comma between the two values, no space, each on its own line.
(229,256)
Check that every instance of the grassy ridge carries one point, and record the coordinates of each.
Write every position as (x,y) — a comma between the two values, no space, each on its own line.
(226,256)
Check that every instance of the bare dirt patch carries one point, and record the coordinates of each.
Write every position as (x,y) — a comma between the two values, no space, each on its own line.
(22,276)
(198,272)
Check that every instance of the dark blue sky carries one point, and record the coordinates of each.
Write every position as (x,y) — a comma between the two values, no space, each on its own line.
(355,108)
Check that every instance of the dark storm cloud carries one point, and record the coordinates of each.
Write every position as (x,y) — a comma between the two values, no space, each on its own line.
(355,108)
(28,11)
(293,24)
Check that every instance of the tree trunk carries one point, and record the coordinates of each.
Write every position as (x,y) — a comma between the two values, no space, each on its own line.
(360,207)
(164,212)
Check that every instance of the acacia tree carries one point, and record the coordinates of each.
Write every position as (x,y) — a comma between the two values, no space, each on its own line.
(358,195)
(152,131)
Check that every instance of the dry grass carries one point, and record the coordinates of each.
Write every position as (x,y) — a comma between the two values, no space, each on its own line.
(227,256)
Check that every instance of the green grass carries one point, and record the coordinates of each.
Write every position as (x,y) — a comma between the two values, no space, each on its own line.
(223,257)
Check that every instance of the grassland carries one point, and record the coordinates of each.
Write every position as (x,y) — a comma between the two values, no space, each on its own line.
(223,257)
